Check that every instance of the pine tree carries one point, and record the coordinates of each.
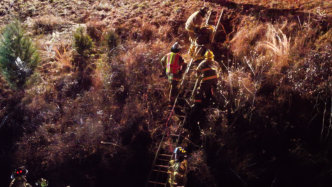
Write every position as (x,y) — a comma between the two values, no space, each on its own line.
(82,42)
(18,55)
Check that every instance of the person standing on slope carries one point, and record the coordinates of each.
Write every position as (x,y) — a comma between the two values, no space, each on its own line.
(175,66)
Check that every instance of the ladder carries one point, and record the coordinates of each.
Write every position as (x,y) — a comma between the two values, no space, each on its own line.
(159,175)
(213,19)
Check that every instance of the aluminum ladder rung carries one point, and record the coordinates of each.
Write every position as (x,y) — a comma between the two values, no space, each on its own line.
(167,155)
(163,160)
(159,171)
(161,166)
(155,182)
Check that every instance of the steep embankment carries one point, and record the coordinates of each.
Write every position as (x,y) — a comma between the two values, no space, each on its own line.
(271,125)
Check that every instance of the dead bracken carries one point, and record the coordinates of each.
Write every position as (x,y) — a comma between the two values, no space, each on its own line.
(93,110)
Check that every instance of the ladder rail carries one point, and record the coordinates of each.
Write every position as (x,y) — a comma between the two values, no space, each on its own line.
(177,144)
(155,157)
(216,27)
(173,107)
(208,18)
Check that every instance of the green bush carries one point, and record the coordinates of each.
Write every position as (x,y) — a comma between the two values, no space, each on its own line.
(18,55)
(82,42)
(112,40)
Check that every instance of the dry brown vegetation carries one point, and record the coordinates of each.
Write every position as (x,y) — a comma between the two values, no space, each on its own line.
(48,24)
(272,118)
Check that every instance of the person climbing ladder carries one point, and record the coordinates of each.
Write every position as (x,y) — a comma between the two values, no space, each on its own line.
(178,168)
(208,78)
(193,26)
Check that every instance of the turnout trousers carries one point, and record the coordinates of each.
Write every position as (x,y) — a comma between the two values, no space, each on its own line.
(174,90)
(206,92)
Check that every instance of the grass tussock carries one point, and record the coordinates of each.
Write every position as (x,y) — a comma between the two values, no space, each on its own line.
(48,24)
(277,45)
(64,56)
(250,32)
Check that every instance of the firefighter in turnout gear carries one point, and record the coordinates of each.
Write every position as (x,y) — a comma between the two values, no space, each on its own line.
(19,178)
(193,26)
(175,66)
(207,79)
(178,168)
(203,95)
(42,182)
(202,44)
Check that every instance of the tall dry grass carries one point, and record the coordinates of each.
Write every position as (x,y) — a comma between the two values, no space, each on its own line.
(277,46)
(48,24)
(128,98)
(250,32)
(64,56)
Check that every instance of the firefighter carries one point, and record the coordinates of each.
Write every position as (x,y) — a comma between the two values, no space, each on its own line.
(207,80)
(204,39)
(193,26)
(178,167)
(175,66)
(203,95)
(202,44)
(19,178)
(42,182)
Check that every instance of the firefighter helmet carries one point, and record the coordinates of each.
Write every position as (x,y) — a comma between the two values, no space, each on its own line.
(175,47)
(204,10)
(211,28)
(209,55)
(19,172)
(180,154)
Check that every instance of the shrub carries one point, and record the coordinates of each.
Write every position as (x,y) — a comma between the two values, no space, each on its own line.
(18,56)
(82,42)
(146,33)
(112,40)
(95,29)
(102,74)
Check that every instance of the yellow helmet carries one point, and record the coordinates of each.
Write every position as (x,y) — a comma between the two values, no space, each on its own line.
(182,150)
(210,27)
(207,29)
(209,55)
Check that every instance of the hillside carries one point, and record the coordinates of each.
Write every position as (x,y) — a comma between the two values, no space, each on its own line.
(271,125)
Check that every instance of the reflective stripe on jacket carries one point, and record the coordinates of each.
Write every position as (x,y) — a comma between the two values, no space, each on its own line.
(207,70)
